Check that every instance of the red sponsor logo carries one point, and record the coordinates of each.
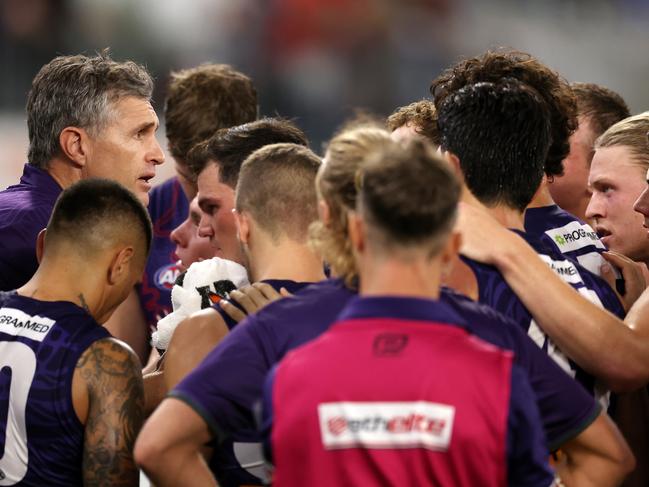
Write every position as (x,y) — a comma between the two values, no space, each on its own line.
(337,426)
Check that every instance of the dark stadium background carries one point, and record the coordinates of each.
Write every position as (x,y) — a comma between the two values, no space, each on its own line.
(315,60)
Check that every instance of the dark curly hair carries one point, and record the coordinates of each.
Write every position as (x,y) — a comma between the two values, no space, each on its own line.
(553,89)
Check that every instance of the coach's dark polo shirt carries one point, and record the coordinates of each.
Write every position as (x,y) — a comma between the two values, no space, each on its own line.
(25,209)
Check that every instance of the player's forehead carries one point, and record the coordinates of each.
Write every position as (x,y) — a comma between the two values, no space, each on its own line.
(614,163)
(133,111)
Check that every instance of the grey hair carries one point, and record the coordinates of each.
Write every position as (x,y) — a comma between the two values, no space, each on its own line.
(78,91)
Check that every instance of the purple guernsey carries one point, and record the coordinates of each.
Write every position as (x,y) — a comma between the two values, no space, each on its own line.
(168,208)
(226,401)
(25,209)
(277,284)
(496,293)
(567,235)
(41,439)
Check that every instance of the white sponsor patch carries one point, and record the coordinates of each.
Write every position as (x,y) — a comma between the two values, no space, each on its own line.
(574,236)
(565,269)
(17,323)
(386,425)
(592,261)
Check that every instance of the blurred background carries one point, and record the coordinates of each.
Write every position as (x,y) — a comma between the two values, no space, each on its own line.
(317,60)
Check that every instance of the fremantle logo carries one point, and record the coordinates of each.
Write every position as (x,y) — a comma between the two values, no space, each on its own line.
(386,425)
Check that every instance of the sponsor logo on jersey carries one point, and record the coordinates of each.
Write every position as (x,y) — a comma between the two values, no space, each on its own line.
(390,344)
(574,236)
(564,268)
(386,425)
(165,277)
(18,323)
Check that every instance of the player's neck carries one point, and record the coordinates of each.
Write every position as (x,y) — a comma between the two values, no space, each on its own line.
(542,197)
(63,172)
(391,277)
(508,217)
(50,283)
(286,260)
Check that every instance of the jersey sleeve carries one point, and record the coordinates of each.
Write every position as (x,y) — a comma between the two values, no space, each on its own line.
(229,322)
(225,386)
(527,457)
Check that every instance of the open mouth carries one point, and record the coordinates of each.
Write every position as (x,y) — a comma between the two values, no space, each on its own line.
(602,232)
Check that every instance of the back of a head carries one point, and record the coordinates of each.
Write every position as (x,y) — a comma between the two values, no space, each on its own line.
(601,106)
(228,148)
(631,133)
(408,198)
(78,91)
(94,215)
(500,132)
(421,115)
(553,90)
(205,99)
(277,187)
(336,184)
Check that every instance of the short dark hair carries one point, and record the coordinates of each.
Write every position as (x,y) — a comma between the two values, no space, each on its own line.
(601,106)
(78,91)
(409,195)
(501,134)
(94,213)
(228,148)
(421,115)
(204,99)
(553,89)
(277,186)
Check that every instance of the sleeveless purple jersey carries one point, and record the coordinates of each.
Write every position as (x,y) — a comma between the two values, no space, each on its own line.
(168,208)
(496,293)
(567,235)
(41,438)
(226,401)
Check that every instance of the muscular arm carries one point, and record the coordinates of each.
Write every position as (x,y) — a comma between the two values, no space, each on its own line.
(192,340)
(112,411)
(598,456)
(129,325)
(169,447)
(594,338)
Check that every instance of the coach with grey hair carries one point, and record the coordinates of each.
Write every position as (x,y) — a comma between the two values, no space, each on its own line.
(88,117)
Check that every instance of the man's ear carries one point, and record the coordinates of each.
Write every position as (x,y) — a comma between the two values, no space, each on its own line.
(450,251)
(324,212)
(40,244)
(356,230)
(454,161)
(74,145)
(243,226)
(120,265)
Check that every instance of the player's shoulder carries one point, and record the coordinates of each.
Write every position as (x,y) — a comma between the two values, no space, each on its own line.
(315,303)
(109,356)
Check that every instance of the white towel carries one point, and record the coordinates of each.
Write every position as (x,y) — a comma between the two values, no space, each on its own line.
(191,293)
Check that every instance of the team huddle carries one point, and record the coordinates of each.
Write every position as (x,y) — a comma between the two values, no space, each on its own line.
(454,296)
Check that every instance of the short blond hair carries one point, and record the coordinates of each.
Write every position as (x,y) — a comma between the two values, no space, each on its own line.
(336,184)
(632,133)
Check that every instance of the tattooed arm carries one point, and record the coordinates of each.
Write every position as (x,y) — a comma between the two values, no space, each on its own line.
(108,397)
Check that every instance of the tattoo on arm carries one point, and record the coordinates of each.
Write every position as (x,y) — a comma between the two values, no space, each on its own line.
(115,414)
